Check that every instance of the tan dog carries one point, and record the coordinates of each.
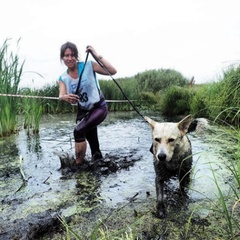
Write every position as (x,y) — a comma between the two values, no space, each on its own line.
(172,153)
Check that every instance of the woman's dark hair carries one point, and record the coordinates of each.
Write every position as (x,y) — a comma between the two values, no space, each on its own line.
(71,46)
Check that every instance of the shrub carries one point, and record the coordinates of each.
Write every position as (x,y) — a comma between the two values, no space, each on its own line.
(157,80)
(176,101)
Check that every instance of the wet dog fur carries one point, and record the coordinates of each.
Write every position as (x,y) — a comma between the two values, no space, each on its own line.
(172,153)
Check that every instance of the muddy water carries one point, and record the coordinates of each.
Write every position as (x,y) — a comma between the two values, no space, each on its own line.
(48,189)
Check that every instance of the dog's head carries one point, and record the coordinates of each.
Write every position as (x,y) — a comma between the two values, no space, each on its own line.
(168,138)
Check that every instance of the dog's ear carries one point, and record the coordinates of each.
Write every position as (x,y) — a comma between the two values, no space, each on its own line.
(150,121)
(184,124)
(151,149)
(193,125)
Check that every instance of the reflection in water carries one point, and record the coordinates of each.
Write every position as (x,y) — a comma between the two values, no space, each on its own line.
(33,144)
(8,153)
(8,147)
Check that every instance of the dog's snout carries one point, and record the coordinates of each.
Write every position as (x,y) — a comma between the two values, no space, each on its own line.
(162,156)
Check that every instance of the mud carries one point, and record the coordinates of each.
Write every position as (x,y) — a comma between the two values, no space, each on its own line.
(115,194)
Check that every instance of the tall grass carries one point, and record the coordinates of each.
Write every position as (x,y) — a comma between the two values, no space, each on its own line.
(228,203)
(100,232)
(220,101)
(53,106)
(231,96)
(32,110)
(112,92)
(10,76)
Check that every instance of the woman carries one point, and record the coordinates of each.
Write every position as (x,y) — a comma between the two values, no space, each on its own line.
(90,113)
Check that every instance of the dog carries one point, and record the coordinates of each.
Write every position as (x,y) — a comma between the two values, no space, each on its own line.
(172,153)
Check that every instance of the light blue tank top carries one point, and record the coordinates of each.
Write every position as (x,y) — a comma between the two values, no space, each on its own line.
(89,90)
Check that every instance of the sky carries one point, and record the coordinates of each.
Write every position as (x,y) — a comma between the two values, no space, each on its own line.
(199,38)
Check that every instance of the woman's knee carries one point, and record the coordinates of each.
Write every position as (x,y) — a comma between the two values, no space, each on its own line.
(79,136)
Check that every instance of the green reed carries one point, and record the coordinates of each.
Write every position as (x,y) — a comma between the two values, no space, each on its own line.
(229,210)
(10,76)
(224,206)
(100,232)
(32,111)
(219,100)
(37,115)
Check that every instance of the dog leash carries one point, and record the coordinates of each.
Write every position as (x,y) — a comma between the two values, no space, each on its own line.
(131,103)
(80,76)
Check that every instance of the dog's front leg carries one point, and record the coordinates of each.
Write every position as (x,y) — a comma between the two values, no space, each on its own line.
(160,204)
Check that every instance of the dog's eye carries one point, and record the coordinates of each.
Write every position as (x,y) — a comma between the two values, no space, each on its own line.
(171,140)
(157,140)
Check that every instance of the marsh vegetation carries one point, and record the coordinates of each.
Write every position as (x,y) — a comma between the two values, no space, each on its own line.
(167,93)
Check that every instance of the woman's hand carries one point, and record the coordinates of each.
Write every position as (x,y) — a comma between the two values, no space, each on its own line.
(93,51)
(70,98)
(96,67)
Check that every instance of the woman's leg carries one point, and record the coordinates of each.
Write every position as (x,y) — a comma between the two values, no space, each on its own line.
(92,137)
(80,151)
(91,121)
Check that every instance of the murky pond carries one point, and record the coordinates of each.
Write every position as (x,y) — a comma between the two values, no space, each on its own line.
(48,191)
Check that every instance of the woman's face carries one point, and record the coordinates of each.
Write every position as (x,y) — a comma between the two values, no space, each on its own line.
(69,58)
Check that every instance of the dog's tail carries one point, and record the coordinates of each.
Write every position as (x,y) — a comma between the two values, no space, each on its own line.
(199,125)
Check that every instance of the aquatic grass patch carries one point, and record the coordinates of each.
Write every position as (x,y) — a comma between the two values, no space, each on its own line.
(228,202)
(8,122)
(228,116)
(106,235)
(112,92)
(222,210)
(234,168)
(10,76)
(187,226)
(53,106)
(223,203)
(109,226)
(100,232)
(32,110)
(37,114)
(69,231)
(230,95)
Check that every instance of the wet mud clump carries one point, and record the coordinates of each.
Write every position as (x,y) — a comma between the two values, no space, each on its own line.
(111,162)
